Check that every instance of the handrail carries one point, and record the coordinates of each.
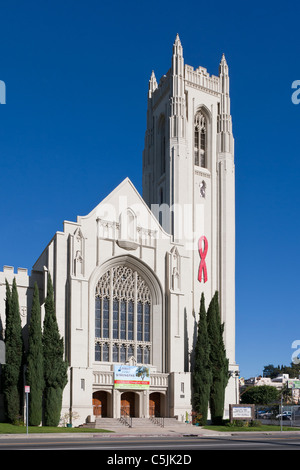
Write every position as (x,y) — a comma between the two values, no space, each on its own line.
(159,420)
(126,418)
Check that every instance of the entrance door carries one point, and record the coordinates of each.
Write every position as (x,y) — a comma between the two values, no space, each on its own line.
(100,404)
(128,404)
(154,404)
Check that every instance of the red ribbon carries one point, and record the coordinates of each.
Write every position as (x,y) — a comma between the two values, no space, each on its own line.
(202,253)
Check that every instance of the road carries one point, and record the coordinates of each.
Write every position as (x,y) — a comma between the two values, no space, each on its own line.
(155,447)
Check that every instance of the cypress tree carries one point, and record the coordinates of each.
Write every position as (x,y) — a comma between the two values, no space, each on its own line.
(55,368)
(34,373)
(219,362)
(202,372)
(12,370)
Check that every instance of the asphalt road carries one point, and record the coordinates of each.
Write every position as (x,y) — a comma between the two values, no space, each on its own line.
(153,449)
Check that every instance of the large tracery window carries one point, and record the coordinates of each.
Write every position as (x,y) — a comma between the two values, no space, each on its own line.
(122,317)
(200,129)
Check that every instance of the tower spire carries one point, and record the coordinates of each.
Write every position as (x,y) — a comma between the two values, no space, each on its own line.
(224,117)
(152,84)
(223,59)
(223,71)
(177,44)
(177,100)
(177,48)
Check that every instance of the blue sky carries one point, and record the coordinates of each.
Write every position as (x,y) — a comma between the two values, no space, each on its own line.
(76,76)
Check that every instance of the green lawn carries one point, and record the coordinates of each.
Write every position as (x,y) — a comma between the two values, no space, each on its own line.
(6,428)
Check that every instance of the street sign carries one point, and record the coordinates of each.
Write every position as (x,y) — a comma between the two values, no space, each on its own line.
(292,383)
(27,391)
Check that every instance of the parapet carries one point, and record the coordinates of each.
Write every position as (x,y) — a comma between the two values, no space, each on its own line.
(22,277)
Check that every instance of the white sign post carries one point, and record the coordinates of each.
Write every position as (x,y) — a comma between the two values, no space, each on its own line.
(27,391)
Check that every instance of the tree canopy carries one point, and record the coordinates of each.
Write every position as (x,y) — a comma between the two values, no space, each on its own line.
(260,395)
(271,371)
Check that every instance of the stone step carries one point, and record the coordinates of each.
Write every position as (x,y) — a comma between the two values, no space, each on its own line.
(108,423)
(142,422)
(115,423)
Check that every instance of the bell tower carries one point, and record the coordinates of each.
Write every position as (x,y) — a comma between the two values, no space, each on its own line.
(189,177)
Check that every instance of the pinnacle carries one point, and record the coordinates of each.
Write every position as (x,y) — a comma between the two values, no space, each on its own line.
(177,40)
(153,77)
(152,83)
(223,60)
(223,67)
(177,46)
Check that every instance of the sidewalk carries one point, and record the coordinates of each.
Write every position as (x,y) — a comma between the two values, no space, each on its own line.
(123,431)
(115,430)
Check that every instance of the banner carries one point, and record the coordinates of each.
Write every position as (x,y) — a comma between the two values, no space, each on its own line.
(131,377)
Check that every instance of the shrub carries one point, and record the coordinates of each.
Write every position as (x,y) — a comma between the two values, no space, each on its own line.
(239,423)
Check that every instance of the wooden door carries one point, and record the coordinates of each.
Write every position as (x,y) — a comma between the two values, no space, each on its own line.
(100,404)
(154,404)
(128,404)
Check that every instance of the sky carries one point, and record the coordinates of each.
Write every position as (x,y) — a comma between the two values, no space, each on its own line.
(76,76)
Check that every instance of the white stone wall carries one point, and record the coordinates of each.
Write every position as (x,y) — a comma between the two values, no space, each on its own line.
(23,284)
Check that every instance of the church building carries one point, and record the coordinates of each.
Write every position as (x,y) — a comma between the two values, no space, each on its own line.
(128,276)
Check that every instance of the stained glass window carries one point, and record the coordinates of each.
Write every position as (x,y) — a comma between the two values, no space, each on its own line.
(122,302)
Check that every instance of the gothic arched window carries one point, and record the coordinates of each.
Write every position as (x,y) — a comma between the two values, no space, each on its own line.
(122,316)
(200,129)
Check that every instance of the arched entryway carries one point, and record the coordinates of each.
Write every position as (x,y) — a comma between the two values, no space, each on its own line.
(100,404)
(155,404)
(128,404)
